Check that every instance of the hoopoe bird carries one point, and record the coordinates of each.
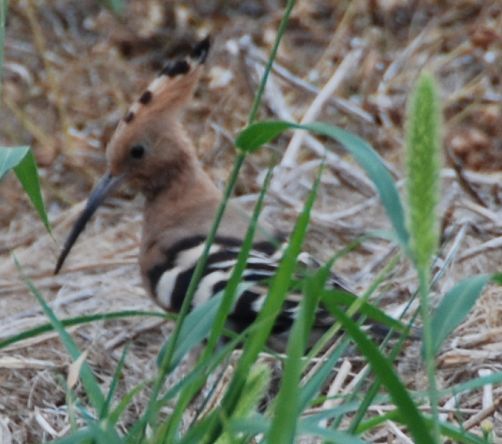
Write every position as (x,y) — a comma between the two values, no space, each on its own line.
(151,150)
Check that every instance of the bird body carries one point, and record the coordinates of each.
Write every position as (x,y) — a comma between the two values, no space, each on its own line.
(151,150)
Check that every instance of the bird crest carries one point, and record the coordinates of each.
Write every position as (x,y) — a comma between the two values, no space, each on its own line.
(171,89)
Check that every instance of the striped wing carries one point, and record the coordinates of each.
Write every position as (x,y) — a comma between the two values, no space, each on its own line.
(170,280)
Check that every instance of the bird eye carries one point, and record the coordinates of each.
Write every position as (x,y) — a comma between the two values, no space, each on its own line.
(137,151)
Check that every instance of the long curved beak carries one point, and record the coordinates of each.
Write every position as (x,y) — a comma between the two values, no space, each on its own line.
(105,185)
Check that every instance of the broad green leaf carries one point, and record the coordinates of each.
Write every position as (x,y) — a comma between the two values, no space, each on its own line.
(27,173)
(11,157)
(255,135)
(372,163)
(195,329)
(21,160)
(454,307)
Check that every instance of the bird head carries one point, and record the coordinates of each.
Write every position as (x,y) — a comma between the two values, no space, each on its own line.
(149,148)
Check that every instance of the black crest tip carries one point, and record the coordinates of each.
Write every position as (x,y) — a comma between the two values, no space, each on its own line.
(129,117)
(201,49)
(175,68)
(146,97)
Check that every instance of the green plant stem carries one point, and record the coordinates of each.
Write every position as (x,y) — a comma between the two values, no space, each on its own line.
(35,331)
(268,68)
(423,277)
(187,302)
(228,191)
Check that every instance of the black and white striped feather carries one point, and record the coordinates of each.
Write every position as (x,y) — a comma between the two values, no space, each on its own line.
(169,280)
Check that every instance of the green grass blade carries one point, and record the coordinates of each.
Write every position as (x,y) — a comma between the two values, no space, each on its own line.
(454,307)
(332,413)
(261,87)
(170,350)
(11,157)
(458,435)
(306,427)
(203,368)
(200,432)
(230,185)
(383,368)
(251,426)
(78,320)
(310,389)
(278,290)
(199,269)
(285,418)
(331,436)
(88,380)
(232,286)
(473,384)
(254,390)
(227,301)
(190,381)
(95,433)
(369,310)
(497,278)
(114,384)
(84,435)
(117,412)
(196,326)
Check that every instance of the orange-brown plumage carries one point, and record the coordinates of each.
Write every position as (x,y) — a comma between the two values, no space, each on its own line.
(152,152)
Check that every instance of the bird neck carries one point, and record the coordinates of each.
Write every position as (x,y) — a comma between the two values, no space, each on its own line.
(174,206)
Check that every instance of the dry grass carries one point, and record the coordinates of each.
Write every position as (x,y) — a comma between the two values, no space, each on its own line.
(72,68)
